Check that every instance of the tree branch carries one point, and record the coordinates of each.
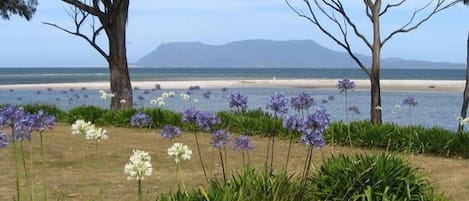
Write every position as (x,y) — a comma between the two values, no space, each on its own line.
(313,19)
(79,16)
(407,28)
(89,9)
(391,6)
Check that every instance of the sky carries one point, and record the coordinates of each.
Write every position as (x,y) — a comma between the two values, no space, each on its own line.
(153,22)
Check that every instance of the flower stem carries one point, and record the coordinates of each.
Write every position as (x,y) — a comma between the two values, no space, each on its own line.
(43,168)
(140,197)
(306,170)
(31,194)
(17,172)
(289,149)
(178,173)
(85,172)
(222,164)
(98,168)
(200,157)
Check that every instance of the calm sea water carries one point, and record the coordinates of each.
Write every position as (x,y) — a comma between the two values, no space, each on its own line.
(59,75)
(433,109)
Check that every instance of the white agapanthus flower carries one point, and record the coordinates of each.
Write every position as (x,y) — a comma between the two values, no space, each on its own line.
(97,134)
(185,97)
(104,95)
(196,100)
(165,95)
(139,165)
(171,94)
(179,151)
(81,127)
(123,101)
(462,121)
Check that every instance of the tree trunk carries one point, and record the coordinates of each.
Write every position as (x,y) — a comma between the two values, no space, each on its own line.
(118,66)
(375,89)
(466,89)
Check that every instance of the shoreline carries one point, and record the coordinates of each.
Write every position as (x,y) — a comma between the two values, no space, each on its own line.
(386,85)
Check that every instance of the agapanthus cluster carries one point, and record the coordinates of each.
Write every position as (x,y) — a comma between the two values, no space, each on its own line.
(314,126)
(354,110)
(206,120)
(304,101)
(207,94)
(238,101)
(190,115)
(220,138)
(43,120)
(180,152)
(169,132)
(139,165)
(278,103)
(158,101)
(104,95)
(410,101)
(345,85)
(21,123)
(242,143)
(140,120)
(293,123)
(96,134)
(3,140)
(185,97)
(81,127)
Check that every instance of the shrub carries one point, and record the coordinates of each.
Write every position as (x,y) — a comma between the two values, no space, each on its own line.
(370,178)
(249,185)
(50,109)
(88,113)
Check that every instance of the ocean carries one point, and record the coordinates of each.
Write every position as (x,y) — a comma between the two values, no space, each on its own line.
(433,108)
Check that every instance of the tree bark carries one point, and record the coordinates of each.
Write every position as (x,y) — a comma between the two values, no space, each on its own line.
(117,60)
(375,92)
(466,89)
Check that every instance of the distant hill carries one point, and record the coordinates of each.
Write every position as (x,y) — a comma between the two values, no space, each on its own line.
(266,53)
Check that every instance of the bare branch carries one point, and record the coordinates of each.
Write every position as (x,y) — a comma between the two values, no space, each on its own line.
(92,10)
(313,19)
(391,6)
(367,10)
(79,16)
(407,27)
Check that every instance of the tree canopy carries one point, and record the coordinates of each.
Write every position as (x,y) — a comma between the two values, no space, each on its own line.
(23,8)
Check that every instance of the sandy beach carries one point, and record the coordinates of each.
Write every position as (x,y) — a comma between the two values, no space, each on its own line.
(388,85)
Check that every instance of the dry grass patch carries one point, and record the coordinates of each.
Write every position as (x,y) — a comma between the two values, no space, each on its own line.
(66,175)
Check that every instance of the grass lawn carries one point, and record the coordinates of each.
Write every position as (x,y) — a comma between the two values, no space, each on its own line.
(66,175)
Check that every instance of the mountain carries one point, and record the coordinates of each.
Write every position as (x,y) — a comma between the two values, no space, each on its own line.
(267,53)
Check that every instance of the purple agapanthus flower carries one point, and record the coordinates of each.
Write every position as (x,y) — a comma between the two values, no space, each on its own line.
(220,138)
(169,132)
(23,128)
(278,104)
(140,120)
(345,85)
(190,115)
(314,127)
(206,120)
(410,101)
(3,140)
(304,101)
(238,101)
(354,109)
(242,143)
(43,120)
(293,123)
(207,94)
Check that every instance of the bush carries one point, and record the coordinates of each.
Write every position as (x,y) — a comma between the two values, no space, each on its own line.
(370,178)
(88,113)
(50,109)
(411,139)
(249,185)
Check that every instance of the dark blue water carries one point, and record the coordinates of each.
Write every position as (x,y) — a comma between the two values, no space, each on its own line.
(59,75)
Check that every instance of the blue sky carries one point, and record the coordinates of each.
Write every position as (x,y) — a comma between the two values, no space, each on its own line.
(152,22)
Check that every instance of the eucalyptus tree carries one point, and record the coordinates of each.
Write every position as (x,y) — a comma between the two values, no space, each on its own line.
(110,17)
(334,19)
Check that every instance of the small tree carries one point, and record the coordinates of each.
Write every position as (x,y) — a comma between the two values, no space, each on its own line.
(22,8)
(111,17)
(334,12)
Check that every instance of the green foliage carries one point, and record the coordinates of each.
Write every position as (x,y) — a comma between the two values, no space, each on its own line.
(369,178)
(410,139)
(88,113)
(253,122)
(249,185)
(50,109)
(23,8)
(162,117)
